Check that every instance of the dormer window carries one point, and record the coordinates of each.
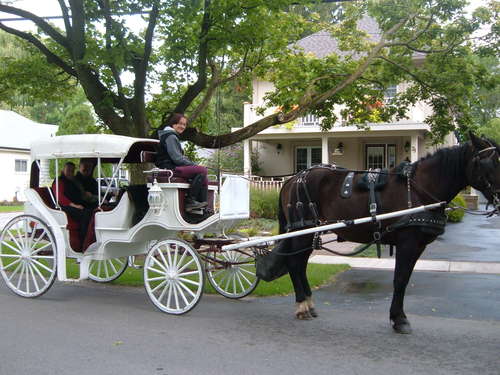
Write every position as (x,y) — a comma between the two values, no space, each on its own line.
(390,92)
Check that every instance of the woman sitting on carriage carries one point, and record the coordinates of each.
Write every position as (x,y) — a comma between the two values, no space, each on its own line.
(171,156)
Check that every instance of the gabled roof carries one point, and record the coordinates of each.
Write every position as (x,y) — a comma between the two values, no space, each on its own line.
(17,132)
(322,44)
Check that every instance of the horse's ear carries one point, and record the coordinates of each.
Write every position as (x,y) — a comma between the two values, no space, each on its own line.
(477,142)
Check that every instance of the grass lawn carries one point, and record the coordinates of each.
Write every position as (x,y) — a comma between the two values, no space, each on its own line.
(371,252)
(318,274)
(11,208)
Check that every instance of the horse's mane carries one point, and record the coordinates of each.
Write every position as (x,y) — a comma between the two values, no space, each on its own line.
(451,160)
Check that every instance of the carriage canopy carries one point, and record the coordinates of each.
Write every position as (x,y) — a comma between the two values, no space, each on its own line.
(104,146)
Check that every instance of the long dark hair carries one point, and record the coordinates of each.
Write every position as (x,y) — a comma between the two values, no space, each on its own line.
(175,118)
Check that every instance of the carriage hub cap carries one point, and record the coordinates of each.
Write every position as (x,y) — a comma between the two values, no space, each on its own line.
(171,274)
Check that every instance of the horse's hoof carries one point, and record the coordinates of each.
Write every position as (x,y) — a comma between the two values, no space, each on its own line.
(303,315)
(402,327)
(313,312)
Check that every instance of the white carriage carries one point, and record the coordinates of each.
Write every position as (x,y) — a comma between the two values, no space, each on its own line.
(36,245)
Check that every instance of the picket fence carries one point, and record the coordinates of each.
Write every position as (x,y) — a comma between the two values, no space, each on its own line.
(263,183)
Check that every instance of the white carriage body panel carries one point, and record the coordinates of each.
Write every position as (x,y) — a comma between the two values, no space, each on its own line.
(120,218)
(234,198)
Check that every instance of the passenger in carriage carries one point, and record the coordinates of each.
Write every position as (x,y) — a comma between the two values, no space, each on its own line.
(171,156)
(69,196)
(87,183)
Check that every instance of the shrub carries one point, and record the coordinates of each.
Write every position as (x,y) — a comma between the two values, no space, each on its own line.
(264,203)
(456,216)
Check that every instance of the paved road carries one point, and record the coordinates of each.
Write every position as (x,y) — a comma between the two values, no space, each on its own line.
(84,329)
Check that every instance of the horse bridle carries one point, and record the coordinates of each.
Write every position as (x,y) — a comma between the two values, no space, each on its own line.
(482,174)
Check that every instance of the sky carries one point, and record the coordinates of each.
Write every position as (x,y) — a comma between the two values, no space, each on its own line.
(51,8)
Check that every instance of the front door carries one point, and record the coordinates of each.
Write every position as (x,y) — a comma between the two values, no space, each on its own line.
(380,156)
(305,157)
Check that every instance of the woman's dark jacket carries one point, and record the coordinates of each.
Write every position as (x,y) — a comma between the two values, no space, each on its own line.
(170,153)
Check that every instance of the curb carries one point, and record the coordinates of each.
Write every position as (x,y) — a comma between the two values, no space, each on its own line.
(422,265)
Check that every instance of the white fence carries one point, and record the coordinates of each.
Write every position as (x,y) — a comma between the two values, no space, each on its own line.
(265,183)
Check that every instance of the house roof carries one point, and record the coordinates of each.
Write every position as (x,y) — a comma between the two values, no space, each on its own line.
(17,132)
(322,44)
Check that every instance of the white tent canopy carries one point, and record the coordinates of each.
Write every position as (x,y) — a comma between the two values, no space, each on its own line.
(18,132)
(89,146)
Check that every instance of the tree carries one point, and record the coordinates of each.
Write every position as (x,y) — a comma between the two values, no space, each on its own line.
(195,47)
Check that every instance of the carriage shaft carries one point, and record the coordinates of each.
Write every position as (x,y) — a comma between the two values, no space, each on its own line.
(344,224)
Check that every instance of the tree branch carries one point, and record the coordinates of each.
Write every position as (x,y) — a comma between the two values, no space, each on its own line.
(209,141)
(64,10)
(312,102)
(78,30)
(142,64)
(51,57)
(40,22)
(194,90)
(214,83)
(204,140)
(104,4)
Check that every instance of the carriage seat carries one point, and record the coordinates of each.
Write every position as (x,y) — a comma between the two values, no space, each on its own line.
(73,226)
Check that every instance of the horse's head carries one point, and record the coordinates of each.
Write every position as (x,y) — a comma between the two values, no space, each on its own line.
(483,172)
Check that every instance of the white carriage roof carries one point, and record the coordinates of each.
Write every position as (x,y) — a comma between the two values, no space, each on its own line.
(106,146)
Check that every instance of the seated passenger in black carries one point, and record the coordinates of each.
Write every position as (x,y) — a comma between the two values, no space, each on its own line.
(69,196)
(87,183)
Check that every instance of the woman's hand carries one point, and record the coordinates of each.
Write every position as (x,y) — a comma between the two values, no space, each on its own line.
(79,206)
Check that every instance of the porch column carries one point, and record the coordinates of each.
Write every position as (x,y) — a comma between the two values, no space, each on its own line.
(247,161)
(414,148)
(324,150)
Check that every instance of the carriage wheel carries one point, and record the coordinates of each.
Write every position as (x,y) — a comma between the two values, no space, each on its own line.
(28,260)
(173,276)
(234,277)
(105,271)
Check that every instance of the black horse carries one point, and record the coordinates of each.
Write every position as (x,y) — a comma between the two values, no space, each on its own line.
(437,177)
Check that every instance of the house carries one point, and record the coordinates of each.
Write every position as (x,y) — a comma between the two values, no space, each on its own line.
(16,134)
(287,150)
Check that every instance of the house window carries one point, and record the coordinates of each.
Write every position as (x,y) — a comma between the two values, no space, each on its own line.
(21,165)
(305,157)
(309,120)
(390,93)
(380,156)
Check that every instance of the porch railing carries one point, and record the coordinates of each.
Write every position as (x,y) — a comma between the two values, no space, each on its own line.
(265,183)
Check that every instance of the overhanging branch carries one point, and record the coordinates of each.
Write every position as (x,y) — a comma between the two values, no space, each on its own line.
(51,57)
(40,22)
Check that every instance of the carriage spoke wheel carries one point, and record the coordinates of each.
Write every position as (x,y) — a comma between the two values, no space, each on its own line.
(234,277)
(105,271)
(28,259)
(173,276)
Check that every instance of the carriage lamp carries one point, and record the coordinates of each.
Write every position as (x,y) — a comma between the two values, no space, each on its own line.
(155,198)
(407,146)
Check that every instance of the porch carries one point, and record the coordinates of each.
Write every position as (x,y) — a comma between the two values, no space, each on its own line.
(282,151)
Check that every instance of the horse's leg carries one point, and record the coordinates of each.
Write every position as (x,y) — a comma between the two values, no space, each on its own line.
(307,288)
(407,253)
(296,268)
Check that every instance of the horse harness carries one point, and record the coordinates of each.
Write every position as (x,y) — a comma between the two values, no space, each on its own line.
(373,181)
(483,166)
